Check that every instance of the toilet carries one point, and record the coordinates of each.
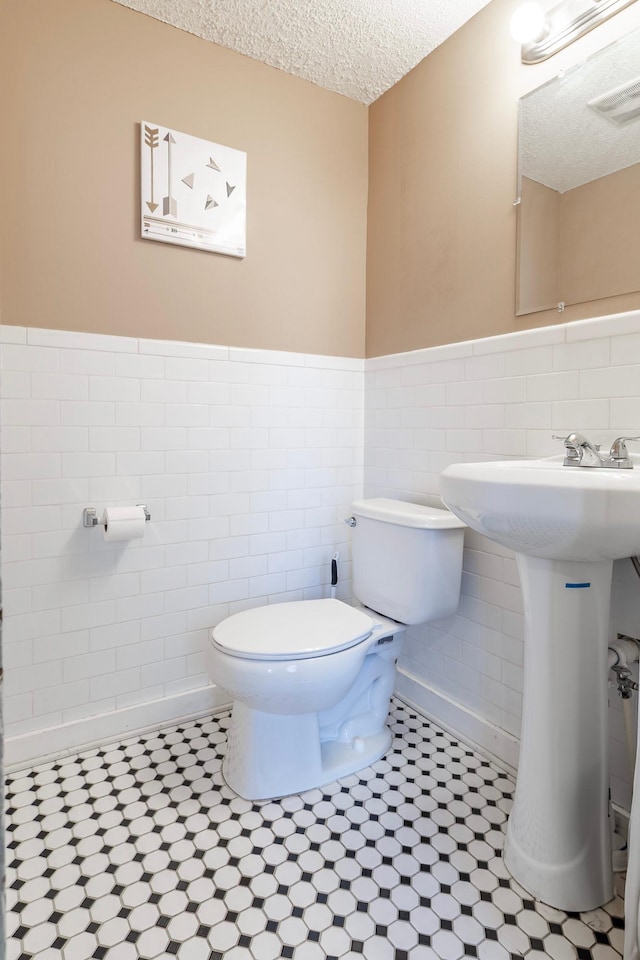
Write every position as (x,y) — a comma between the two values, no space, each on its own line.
(311,680)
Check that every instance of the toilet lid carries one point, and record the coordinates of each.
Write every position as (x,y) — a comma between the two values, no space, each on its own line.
(292,631)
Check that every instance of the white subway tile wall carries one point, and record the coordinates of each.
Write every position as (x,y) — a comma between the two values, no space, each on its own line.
(499,398)
(248,461)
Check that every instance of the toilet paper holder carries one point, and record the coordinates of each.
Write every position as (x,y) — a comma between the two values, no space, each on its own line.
(90,516)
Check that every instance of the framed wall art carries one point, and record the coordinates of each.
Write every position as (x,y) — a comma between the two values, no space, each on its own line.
(192,191)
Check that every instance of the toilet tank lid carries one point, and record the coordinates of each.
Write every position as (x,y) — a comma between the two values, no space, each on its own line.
(298,630)
(407,514)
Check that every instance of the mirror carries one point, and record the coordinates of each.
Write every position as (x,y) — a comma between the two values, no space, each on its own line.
(578,234)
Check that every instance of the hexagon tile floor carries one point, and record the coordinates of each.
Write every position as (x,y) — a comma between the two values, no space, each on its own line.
(139,850)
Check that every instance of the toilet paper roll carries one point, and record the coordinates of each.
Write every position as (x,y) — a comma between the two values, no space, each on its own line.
(123,523)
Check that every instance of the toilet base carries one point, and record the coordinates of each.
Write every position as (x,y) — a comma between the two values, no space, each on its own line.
(272,755)
(265,761)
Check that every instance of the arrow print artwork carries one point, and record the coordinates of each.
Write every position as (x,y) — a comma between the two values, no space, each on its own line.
(193,191)
(169,204)
(151,141)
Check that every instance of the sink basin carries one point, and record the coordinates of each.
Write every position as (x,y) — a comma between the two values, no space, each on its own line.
(567,525)
(544,509)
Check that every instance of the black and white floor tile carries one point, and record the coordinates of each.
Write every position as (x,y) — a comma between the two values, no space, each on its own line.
(140,850)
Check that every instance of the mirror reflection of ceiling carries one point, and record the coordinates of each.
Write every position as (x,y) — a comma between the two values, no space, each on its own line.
(358,48)
(563,141)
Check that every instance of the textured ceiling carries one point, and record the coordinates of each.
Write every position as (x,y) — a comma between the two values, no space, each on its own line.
(563,142)
(358,48)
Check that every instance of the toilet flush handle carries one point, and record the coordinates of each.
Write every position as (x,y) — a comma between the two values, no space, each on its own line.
(350,521)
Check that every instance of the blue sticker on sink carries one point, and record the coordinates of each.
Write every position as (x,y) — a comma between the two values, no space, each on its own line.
(577,586)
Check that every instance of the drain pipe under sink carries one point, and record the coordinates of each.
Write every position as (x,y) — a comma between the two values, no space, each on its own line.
(623,652)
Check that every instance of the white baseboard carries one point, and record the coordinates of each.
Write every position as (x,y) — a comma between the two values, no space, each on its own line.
(44,745)
(491,741)
(68,738)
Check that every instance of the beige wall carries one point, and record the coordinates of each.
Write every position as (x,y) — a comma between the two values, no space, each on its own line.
(77,76)
(600,237)
(537,247)
(442,180)
(578,246)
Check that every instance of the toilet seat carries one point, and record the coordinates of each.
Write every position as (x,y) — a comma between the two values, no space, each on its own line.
(296,630)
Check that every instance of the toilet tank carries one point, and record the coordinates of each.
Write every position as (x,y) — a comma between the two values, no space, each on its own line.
(407,559)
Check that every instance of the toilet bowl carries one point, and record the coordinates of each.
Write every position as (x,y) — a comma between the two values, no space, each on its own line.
(311,680)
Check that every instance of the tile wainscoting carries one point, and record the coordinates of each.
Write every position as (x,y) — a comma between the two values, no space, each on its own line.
(249,460)
(497,398)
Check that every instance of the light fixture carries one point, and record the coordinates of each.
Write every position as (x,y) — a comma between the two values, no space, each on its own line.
(542,35)
(529,23)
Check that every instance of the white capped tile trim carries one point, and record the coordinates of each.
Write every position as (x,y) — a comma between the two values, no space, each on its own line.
(613,325)
(486,399)
(12,334)
(253,460)
(335,363)
(174,348)
(277,357)
(522,339)
(81,341)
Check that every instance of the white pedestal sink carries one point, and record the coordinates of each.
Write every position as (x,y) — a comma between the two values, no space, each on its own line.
(567,525)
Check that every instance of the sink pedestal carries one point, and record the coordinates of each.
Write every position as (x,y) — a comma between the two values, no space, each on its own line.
(566,524)
(558,837)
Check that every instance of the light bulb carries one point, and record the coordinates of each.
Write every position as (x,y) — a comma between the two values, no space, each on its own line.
(528,23)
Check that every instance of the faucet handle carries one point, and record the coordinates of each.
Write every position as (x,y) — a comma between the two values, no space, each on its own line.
(619,448)
(572,452)
(579,438)
(574,440)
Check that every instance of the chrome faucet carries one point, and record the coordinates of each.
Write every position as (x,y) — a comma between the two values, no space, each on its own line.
(580,452)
